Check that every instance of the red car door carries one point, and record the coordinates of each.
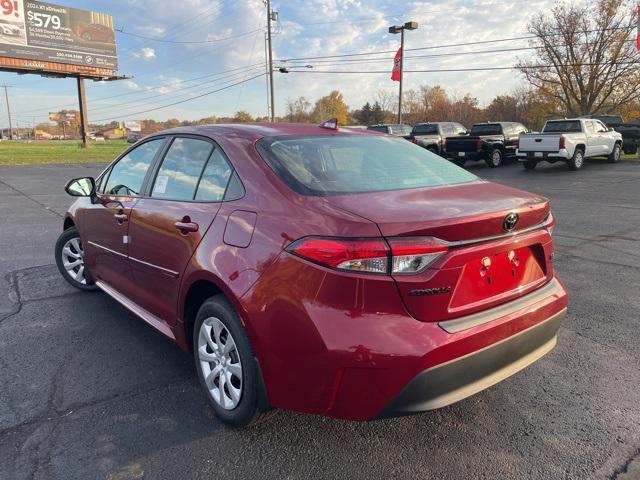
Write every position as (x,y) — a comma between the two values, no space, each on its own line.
(105,222)
(167,225)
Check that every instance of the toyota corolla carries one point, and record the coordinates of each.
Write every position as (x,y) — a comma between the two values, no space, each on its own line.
(323,270)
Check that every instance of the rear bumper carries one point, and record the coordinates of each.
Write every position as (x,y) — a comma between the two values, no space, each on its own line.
(542,156)
(462,377)
(476,155)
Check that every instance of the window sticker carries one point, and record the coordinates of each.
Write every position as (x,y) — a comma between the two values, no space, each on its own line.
(161,184)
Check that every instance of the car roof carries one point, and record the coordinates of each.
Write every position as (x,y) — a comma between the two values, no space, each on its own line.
(256,131)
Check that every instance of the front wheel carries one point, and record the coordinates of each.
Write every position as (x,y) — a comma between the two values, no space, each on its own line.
(615,155)
(69,254)
(226,364)
(495,158)
(577,161)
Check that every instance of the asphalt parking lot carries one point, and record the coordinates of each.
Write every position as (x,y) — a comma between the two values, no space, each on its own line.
(88,391)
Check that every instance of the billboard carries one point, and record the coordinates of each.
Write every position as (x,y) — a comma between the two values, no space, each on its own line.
(43,35)
(132,125)
(66,116)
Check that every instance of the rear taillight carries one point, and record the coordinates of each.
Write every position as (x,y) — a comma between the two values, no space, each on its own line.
(412,255)
(370,255)
(479,144)
(414,140)
(561,145)
(360,255)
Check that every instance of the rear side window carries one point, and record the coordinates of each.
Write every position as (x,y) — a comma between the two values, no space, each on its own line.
(344,164)
(181,168)
(563,126)
(215,179)
(127,176)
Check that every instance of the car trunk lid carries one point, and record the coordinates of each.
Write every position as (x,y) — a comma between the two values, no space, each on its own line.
(539,143)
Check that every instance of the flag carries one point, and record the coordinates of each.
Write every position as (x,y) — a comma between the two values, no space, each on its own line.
(397,61)
(638,29)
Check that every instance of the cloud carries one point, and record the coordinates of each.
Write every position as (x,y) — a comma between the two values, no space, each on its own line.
(145,53)
(131,85)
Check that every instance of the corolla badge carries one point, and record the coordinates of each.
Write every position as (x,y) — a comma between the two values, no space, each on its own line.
(510,222)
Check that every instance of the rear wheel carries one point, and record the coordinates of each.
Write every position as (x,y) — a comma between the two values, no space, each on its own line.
(69,254)
(226,364)
(577,161)
(495,158)
(615,155)
(433,150)
(529,164)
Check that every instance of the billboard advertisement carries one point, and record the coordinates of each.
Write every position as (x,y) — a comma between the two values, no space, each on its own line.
(44,32)
(132,125)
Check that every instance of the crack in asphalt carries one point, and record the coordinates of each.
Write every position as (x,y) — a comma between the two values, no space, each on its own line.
(20,192)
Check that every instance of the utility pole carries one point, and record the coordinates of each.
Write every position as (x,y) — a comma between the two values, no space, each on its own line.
(6,96)
(84,122)
(400,29)
(270,16)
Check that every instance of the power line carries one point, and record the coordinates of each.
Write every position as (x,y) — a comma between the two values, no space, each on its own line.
(478,69)
(188,42)
(481,42)
(182,101)
(143,92)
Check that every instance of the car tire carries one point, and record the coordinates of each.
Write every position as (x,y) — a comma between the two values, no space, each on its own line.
(577,161)
(615,155)
(69,254)
(495,158)
(529,164)
(433,150)
(234,365)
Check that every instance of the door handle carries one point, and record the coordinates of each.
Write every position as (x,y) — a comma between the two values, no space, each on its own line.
(121,217)
(186,227)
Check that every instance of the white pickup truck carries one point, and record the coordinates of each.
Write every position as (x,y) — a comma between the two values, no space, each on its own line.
(571,141)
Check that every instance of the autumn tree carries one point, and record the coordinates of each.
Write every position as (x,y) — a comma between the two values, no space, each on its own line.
(298,110)
(242,117)
(585,59)
(331,106)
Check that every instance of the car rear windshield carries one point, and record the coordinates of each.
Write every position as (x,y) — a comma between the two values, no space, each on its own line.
(487,129)
(427,129)
(342,164)
(562,126)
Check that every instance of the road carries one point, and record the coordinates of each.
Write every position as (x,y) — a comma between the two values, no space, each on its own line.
(88,391)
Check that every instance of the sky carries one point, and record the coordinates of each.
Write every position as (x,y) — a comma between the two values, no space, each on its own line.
(231,49)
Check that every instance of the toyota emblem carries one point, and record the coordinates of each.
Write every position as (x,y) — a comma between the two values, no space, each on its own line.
(510,222)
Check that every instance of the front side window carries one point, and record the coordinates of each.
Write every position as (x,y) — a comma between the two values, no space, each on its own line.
(600,128)
(344,164)
(181,168)
(127,176)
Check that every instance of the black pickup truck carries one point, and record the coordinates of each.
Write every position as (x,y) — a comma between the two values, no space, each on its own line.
(491,142)
(432,135)
(630,131)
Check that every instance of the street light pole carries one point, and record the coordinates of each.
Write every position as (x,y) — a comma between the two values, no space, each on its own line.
(400,29)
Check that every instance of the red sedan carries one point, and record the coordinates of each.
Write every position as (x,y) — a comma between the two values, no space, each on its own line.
(336,272)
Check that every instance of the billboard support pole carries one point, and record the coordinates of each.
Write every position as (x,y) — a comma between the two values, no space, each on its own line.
(6,96)
(82,100)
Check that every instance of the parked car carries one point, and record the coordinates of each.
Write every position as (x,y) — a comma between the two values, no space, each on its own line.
(432,135)
(133,137)
(399,130)
(492,142)
(630,131)
(9,28)
(326,271)
(571,141)
(94,32)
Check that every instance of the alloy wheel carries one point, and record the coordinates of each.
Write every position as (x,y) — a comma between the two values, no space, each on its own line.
(220,363)
(579,160)
(73,260)
(496,158)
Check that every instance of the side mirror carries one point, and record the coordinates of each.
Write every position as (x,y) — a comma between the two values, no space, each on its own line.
(611,129)
(466,132)
(81,187)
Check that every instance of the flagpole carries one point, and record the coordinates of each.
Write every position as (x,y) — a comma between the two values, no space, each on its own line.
(400,86)
(400,29)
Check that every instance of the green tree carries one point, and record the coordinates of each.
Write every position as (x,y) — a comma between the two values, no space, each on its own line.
(242,117)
